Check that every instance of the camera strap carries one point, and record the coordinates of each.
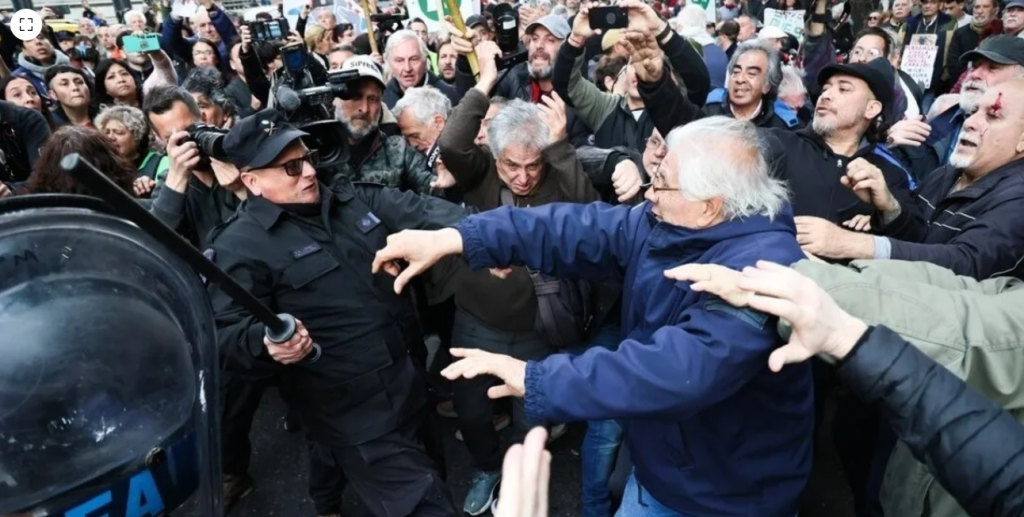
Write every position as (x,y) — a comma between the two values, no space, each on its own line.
(432,155)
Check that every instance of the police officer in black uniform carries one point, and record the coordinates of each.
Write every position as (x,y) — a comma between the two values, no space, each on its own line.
(306,250)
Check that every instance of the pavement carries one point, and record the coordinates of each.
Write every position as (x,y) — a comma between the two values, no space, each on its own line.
(280,465)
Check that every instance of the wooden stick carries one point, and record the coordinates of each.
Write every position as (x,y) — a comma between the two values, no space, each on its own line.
(369,26)
(459,23)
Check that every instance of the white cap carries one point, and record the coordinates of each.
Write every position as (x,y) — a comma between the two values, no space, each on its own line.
(366,67)
(772,33)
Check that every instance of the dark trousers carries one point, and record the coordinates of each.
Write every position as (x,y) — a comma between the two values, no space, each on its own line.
(241,398)
(394,475)
(474,407)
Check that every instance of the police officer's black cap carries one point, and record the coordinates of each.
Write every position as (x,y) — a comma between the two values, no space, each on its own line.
(878,73)
(257,140)
(1002,49)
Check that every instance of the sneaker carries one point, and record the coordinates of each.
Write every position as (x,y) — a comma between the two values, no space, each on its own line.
(500,422)
(447,409)
(235,489)
(482,494)
(557,432)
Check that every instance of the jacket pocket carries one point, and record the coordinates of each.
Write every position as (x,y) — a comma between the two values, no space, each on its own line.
(309,268)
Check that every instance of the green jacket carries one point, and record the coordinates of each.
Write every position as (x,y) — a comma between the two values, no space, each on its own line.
(973,328)
(392,163)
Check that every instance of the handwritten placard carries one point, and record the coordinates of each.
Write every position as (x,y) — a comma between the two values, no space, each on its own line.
(919,58)
(791,22)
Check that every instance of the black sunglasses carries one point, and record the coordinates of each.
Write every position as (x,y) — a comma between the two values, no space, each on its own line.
(294,167)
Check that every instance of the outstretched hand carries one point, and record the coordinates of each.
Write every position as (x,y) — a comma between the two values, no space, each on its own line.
(419,248)
(477,362)
(526,477)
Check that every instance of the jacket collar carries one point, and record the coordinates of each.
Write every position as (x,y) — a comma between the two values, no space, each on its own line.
(983,186)
(687,241)
(268,213)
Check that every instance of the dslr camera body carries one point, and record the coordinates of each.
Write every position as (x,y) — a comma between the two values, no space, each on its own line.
(210,142)
(506,35)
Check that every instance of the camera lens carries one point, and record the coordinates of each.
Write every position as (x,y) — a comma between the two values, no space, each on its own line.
(609,18)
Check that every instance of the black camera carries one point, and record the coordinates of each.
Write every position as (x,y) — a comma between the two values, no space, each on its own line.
(337,87)
(263,31)
(506,35)
(209,140)
(606,18)
(387,24)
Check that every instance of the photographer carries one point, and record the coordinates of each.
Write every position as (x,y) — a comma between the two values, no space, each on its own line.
(373,155)
(530,162)
(195,196)
(408,62)
(265,80)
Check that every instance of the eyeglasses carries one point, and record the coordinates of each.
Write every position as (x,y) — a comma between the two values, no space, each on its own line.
(872,53)
(657,183)
(655,142)
(294,167)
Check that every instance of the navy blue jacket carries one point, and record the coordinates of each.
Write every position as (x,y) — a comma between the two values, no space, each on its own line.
(711,430)
(975,232)
(973,447)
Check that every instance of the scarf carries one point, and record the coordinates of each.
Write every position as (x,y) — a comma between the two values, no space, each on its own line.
(40,70)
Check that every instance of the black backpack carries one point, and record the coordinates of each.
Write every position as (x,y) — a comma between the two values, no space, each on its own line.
(564,307)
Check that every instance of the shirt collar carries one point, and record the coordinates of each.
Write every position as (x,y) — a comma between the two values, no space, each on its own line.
(268,213)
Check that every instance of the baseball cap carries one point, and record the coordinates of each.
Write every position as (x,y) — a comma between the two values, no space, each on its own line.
(774,32)
(555,24)
(477,19)
(257,140)
(366,67)
(610,38)
(1002,49)
(1014,3)
(878,73)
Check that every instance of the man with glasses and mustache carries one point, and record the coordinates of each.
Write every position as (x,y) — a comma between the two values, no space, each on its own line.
(925,146)
(306,250)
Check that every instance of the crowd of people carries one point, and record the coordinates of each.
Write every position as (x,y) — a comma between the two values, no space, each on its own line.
(639,220)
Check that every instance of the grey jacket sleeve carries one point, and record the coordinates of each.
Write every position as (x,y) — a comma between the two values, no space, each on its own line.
(168,205)
(974,448)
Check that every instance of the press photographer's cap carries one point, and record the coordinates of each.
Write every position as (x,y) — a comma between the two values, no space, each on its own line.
(366,68)
(257,140)
(555,24)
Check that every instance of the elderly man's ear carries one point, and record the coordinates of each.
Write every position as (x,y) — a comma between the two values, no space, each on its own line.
(711,213)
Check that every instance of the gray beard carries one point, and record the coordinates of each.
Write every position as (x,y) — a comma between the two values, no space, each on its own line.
(969,100)
(960,162)
(356,134)
(541,73)
(822,128)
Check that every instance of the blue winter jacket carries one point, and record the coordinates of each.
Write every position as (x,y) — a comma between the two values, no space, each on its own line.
(711,430)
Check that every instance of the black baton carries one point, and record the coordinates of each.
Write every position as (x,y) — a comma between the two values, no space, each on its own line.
(279,327)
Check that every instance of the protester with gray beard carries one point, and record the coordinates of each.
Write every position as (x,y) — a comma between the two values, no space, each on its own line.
(925,146)
(373,155)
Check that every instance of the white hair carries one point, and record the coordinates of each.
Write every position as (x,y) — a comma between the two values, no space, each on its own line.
(519,123)
(724,157)
(792,82)
(426,102)
(133,13)
(692,21)
(397,39)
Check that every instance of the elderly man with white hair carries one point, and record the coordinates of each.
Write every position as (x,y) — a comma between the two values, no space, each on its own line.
(408,62)
(710,429)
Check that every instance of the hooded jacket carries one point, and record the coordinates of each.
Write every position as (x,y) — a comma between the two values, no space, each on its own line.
(36,73)
(711,431)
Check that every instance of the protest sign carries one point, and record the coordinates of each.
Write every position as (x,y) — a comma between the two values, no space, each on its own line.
(791,22)
(919,58)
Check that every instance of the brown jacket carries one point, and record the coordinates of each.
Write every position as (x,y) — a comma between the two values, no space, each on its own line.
(508,304)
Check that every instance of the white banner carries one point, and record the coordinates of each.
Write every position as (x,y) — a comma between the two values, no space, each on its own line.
(710,12)
(791,22)
(919,58)
(426,10)
(346,11)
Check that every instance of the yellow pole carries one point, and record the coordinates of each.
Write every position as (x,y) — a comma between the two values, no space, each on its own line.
(459,23)
(369,26)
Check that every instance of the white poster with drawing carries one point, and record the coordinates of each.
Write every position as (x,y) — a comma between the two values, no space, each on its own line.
(791,22)
(919,58)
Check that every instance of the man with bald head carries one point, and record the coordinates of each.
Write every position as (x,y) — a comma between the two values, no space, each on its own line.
(972,206)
